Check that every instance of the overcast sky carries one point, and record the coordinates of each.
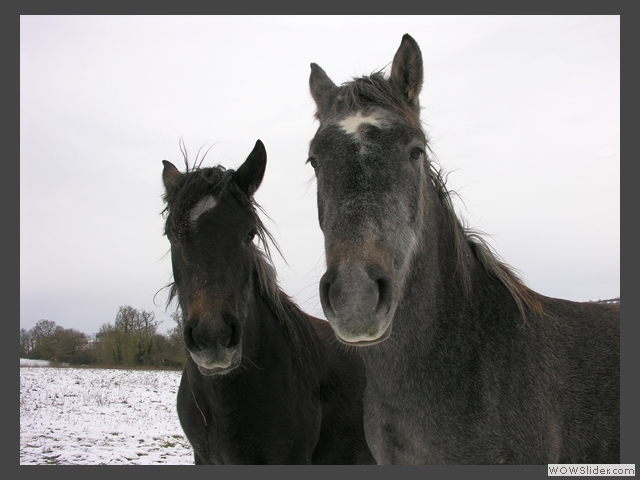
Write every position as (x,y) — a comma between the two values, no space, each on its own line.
(523,112)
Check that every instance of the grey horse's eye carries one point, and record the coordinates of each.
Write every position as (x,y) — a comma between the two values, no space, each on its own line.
(417,152)
(313,162)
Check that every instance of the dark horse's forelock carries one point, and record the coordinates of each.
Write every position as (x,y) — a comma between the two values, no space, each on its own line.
(218,181)
(377,90)
(186,192)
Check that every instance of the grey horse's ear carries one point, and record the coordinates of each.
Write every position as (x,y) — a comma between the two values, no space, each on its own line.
(170,175)
(250,174)
(323,90)
(407,70)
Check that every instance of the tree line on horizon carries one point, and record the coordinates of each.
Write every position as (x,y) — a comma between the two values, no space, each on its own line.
(132,340)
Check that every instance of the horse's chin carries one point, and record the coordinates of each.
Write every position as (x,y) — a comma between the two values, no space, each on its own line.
(208,372)
(208,368)
(363,342)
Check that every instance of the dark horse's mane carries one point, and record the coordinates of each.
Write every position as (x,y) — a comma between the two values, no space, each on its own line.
(376,89)
(192,186)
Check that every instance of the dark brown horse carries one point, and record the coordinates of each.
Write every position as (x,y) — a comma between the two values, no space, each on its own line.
(264,382)
(465,364)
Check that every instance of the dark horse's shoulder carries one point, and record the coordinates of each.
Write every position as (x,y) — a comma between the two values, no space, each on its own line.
(322,327)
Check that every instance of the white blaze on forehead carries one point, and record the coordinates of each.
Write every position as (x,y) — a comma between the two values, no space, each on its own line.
(352,124)
(204,205)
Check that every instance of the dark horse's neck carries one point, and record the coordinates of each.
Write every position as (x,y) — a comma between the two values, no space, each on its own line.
(272,337)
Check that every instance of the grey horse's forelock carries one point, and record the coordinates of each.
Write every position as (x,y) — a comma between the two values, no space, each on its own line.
(363,92)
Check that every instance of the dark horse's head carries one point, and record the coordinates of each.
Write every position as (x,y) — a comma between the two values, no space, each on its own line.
(369,158)
(211,222)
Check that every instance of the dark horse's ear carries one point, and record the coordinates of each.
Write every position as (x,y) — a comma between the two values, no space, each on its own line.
(406,70)
(249,176)
(170,175)
(323,90)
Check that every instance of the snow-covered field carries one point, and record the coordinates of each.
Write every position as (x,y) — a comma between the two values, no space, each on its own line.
(73,416)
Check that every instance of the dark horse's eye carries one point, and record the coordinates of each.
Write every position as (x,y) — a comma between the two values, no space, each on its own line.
(250,236)
(417,152)
(313,162)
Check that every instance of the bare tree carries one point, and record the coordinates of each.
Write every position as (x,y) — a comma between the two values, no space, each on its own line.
(26,343)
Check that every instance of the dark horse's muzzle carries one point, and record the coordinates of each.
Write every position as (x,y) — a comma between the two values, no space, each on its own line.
(214,343)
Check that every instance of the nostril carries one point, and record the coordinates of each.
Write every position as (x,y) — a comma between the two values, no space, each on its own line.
(188,333)
(235,332)
(384,294)
(384,286)
(325,287)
